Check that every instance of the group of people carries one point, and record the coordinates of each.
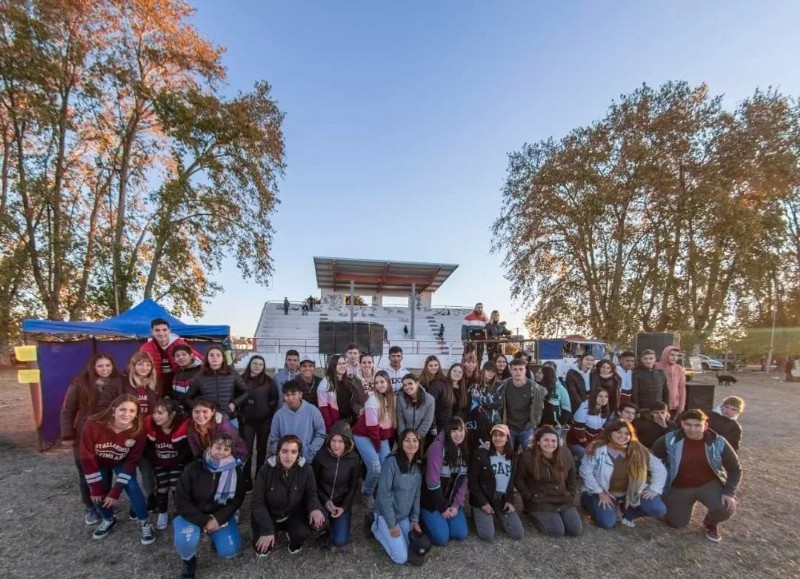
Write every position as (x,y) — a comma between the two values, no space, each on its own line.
(478,332)
(420,453)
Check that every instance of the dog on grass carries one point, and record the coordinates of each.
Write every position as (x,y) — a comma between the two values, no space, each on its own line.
(726,380)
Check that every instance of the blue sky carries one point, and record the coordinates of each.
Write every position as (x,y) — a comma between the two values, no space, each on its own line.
(400,115)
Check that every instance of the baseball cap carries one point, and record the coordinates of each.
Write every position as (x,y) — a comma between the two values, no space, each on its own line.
(502,428)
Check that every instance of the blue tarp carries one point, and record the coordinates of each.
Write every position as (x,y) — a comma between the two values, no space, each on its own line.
(135,323)
(62,358)
(551,349)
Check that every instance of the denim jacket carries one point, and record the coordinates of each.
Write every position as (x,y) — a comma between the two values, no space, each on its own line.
(721,458)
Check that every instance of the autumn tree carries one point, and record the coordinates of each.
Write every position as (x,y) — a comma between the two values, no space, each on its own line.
(119,155)
(660,216)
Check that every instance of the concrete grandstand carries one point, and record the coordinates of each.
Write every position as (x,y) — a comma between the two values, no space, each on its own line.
(415,330)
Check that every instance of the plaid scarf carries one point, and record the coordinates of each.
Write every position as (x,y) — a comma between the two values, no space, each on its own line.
(226,486)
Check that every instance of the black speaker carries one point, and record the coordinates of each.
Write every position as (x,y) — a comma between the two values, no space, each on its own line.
(362,330)
(700,396)
(334,337)
(327,338)
(655,341)
(344,337)
(376,339)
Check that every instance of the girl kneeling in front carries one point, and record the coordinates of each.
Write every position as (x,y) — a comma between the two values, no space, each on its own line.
(446,485)
(491,486)
(615,472)
(397,500)
(547,482)
(112,442)
(285,499)
(210,491)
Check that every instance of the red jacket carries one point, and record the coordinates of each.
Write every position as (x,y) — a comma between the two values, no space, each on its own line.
(151,348)
(102,447)
(168,450)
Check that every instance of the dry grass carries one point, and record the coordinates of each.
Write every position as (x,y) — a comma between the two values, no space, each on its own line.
(43,534)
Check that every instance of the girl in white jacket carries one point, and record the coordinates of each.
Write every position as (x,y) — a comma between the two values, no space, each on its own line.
(615,473)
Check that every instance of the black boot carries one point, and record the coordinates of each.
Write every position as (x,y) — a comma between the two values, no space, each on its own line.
(325,540)
(189,567)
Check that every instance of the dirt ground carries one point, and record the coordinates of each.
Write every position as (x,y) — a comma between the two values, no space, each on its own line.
(43,534)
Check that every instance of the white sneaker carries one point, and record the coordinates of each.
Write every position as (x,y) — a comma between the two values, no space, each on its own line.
(163,521)
(148,535)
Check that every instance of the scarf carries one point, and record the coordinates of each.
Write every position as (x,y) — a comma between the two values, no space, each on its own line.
(226,486)
(621,449)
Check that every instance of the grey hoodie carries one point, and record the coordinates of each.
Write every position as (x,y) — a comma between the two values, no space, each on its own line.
(305,423)
(398,493)
(420,418)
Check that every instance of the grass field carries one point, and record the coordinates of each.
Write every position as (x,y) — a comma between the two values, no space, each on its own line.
(43,535)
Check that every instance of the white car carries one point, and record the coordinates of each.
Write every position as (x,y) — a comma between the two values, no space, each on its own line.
(710,363)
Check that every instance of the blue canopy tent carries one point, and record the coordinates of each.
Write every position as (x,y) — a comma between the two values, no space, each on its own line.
(63,349)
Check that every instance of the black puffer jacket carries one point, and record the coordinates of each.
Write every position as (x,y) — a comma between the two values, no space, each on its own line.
(337,478)
(194,495)
(442,410)
(221,388)
(261,401)
(649,386)
(278,493)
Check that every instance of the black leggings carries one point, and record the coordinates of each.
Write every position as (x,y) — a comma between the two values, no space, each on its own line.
(296,526)
(166,480)
(256,436)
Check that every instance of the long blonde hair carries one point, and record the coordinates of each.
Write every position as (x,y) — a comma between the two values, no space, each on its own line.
(637,457)
(150,381)
(386,401)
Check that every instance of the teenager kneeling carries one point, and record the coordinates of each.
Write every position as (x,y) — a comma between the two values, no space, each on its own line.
(285,499)
(547,482)
(210,491)
(337,471)
(112,443)
(446,485)
(397,500)
(491,486)
(615,474)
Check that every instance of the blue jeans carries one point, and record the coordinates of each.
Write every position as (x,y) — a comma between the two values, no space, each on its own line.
(521,437)
(606,518)
(226,539)
(339,528)
(441,530)
(396,547)
(653,507)
(135,496)
(577,451)
(373,460)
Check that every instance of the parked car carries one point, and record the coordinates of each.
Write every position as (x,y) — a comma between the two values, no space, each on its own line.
(710,363)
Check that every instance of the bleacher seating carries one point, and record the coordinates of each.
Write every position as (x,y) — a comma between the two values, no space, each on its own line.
(276,332)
